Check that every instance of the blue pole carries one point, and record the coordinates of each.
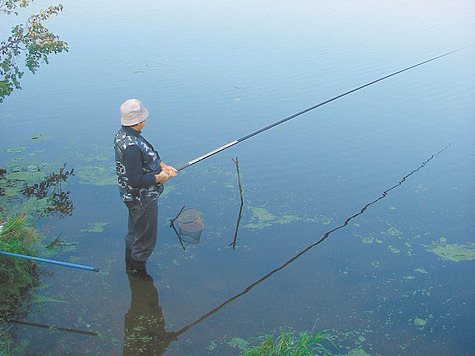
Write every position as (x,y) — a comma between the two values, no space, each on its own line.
(39,259)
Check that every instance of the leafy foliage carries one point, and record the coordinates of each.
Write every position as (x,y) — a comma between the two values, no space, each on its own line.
(32,39)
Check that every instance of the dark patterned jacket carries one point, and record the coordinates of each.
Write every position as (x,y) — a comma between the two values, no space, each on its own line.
(142,161)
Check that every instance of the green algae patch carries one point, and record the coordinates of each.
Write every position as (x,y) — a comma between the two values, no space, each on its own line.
(393,249)
(357,352)
(242,344)
(37,299)
(97,175)
(421,270)
(452,252)
(94,164)
(16,149)
(39,138)
(262,218)
(168,189)
(369,239)
(212,345)
(394,232)
(420,322)
(97,226)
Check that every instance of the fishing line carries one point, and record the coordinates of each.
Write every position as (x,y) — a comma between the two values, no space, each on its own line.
(232,143)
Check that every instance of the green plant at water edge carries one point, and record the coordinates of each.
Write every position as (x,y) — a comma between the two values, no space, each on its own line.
(32,39)
(17,275)
(291,343)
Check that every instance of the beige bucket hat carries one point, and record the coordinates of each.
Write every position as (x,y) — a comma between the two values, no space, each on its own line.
(132,112)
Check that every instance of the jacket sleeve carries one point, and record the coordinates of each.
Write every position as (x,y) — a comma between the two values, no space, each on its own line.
(133,169)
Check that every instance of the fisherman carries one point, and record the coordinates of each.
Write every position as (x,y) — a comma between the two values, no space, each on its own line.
(141,175)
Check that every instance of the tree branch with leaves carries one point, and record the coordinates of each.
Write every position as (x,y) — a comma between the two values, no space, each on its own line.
(31,40)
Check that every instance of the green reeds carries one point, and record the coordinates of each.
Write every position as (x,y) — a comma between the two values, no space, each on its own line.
(292,343)
(17,276)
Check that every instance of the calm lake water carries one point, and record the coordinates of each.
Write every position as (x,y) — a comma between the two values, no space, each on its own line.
(397,278)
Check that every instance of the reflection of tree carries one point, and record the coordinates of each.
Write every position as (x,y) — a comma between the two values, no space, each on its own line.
(51,187)
(144,325)
(32,39)
(46,196)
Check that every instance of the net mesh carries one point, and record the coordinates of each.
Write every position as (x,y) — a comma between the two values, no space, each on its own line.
(190,225)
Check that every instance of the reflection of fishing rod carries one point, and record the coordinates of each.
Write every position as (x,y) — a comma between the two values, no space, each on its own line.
(232,143)
(325,236)
(39,259)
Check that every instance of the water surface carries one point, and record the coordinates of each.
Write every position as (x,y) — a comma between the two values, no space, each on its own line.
(210,73)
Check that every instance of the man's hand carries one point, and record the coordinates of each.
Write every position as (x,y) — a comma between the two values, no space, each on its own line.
(171,171)
(167,172)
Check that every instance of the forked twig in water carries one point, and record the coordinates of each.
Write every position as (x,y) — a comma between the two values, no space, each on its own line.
(236,162)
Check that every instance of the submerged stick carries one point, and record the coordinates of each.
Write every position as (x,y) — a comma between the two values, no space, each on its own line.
(236,162)
(55,241)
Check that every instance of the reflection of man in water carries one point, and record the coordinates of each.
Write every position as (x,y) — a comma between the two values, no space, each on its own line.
(144,326)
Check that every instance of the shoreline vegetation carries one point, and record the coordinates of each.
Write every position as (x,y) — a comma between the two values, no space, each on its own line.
(18,277)
(27,195)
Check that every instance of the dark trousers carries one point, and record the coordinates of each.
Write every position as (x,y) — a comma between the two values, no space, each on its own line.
(142,229)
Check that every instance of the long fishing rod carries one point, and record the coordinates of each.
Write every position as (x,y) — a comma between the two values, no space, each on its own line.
(235,142)
(39,259)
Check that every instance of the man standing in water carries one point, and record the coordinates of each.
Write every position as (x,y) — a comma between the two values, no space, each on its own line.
(140,174)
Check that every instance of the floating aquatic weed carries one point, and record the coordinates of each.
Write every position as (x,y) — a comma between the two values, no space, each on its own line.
(393,249)
(97,226)
(16,149)
(168,189)
(420,270)
(212,345)
(262,218)
(97,175)
(357,352)
(96,167)
(39,138)
(452,252)
(37,299)
(420,322)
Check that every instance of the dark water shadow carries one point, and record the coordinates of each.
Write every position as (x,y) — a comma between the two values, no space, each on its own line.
(144,324)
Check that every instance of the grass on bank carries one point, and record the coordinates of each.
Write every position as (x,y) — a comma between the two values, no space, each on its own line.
(16,274)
